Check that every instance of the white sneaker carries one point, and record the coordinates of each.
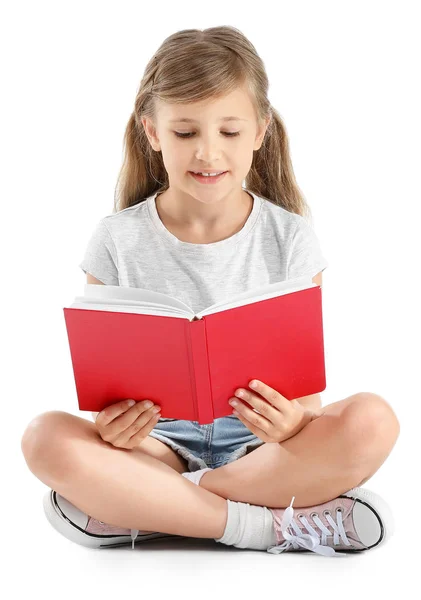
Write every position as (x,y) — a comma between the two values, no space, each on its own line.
(355,521)
(87,531)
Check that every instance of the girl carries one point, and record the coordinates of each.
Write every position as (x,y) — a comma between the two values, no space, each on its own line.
(184,225)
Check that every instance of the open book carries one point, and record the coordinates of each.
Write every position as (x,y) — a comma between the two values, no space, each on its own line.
(135,343)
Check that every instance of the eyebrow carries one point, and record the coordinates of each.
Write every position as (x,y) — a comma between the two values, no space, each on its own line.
(185,120)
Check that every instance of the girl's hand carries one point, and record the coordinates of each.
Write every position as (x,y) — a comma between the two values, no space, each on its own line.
(279,418)
(126,426)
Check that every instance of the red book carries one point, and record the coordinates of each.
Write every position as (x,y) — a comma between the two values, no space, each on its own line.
(134,343)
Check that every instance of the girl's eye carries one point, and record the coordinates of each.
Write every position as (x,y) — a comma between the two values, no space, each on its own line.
(188,135)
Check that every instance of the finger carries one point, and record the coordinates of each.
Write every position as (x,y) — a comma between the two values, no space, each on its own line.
(143,431)
(260,404)
(138,430)
(147,428)
(260,433)
(110,413)
(127,419)
(272,396)
(259,420)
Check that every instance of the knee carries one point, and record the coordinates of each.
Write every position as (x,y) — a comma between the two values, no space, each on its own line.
(42,440)
(370,423)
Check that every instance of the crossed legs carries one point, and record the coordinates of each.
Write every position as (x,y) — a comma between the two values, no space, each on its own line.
(346,443)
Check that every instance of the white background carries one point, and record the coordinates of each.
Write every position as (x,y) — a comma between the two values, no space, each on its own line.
(345,78)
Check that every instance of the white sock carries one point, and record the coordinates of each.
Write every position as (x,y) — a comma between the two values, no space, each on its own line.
(196,476)
(248,526)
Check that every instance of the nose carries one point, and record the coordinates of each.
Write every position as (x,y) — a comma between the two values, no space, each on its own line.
(207,151)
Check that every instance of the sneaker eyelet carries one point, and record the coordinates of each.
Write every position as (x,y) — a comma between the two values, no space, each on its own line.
(339,510)
(300,515)
(326,512)
(102,522)
(314,514)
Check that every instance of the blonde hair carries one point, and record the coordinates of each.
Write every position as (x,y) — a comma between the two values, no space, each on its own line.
(194,65)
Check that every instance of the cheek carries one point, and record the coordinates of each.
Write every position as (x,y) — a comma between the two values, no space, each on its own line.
(178,159)
(246,159)
(172,158)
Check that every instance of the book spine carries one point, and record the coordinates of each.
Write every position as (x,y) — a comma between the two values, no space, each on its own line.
(197,349)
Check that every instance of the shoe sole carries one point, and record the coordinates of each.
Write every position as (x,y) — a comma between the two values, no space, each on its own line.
(73,532)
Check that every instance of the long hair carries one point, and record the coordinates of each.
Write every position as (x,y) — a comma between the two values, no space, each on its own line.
(193,65)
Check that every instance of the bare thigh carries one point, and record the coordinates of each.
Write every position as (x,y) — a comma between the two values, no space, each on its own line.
(75,427)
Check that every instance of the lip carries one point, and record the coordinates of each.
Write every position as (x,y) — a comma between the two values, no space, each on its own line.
(208,180)
(208,171)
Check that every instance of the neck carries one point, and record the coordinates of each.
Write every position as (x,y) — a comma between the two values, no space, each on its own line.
(194,221)
(186,211)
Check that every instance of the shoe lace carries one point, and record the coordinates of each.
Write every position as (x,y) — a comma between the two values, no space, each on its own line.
(133,534)
(309,541)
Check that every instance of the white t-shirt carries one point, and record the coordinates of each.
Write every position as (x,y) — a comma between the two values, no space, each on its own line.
(133,248)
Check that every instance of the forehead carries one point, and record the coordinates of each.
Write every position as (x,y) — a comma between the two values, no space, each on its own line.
(233,107)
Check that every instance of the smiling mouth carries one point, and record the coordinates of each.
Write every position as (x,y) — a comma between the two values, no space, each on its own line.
(208,179)
(206,173)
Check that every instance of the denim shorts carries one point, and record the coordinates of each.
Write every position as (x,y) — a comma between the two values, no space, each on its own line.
(211,445)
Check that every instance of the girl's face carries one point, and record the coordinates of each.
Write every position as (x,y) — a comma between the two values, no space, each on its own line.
(199,136)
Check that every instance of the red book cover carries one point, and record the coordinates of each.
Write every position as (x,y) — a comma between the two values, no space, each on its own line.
(191,368)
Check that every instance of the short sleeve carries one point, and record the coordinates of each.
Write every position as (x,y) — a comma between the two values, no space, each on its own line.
(100,258)
(305,256)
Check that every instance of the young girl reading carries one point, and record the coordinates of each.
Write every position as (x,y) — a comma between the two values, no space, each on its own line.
(276,475)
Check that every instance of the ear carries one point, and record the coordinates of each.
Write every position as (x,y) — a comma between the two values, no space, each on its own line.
(261,134)
(151,134)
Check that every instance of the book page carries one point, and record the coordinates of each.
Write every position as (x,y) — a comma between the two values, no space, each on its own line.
(142,301)
(134,296)
(271,290)
(135,309)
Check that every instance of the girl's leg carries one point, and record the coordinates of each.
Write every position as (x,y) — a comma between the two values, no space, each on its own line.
(126,488)
(346,443)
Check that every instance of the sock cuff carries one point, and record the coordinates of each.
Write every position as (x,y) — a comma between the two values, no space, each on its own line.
(248,526)
(196,476)
(231,533)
